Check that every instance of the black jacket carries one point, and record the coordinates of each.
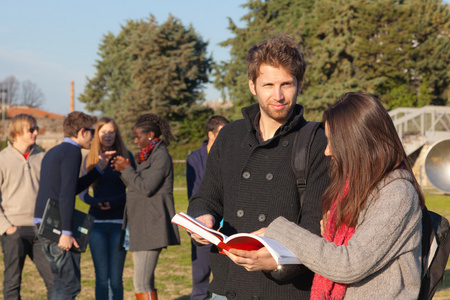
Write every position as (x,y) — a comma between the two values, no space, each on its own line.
(250,184)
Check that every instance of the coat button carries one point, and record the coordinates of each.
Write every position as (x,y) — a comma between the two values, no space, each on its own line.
(269,176)
(240,213)
(262,217)
(285,143)
(246,175)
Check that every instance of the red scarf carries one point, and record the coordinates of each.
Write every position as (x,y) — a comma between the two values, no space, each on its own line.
(145,152)
(323,288)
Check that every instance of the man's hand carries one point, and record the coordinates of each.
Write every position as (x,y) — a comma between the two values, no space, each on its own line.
(323,223)
(258,260)
(119,163)
(103,159)
(66,242)
(209,221)
(11,230)
(104,205)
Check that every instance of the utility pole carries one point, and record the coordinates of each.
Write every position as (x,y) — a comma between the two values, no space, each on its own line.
(4,93)
(72,101)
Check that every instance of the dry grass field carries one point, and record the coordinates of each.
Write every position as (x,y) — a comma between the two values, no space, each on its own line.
(173,278)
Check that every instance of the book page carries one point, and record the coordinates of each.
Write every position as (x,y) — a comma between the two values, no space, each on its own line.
(193,225)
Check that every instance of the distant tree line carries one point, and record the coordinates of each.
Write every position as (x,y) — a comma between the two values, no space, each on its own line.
(26,93)
(397,50)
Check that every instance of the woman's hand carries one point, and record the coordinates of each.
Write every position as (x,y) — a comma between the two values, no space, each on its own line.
(119,163)
(258,260)
(259,232)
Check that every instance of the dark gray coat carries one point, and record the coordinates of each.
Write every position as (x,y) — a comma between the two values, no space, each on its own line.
(249,184)
(150,205)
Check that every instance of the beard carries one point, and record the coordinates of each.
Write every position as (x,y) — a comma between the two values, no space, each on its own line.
(280,116)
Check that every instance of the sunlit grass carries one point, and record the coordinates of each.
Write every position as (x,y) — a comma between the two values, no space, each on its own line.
(173,273)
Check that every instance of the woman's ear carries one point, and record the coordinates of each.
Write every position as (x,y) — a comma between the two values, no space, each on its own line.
(151,135)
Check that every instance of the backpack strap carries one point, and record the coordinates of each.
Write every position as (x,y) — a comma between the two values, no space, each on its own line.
(300,158)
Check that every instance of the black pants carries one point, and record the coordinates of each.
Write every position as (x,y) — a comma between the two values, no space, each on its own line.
(16,247)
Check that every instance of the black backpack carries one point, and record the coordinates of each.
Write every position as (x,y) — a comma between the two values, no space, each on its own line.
(435,228)
(435,252)
(300,157)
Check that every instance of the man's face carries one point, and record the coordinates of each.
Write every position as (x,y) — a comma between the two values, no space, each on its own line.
(86,137)
(276,90)
(28,136)
(213,135)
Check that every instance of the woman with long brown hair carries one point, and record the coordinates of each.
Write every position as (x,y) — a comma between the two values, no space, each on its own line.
(371,212)
(107,206)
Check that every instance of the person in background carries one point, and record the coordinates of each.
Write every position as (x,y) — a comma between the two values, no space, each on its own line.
(150,205)
(249,181)
(60,170)
(372,219)
(195,168)
(20,165)
(107,206)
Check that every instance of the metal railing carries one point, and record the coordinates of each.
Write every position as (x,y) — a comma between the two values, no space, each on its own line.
(417,126)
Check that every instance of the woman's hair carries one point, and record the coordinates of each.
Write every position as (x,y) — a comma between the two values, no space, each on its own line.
(18,123)
(96,146)
(154,123)
(365,147)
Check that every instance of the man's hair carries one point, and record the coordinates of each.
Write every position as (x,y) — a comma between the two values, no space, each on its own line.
(75,121)
(365,147)
(215,122)
(18,123)
(279,51)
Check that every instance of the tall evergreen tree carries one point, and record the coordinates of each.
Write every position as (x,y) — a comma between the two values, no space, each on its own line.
(398,50)
(150,68)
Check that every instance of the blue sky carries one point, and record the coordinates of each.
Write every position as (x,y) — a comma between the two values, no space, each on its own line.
(53,42)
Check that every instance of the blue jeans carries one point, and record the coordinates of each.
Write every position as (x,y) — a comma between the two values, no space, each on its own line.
(65,267)
(16,247)
(108,260)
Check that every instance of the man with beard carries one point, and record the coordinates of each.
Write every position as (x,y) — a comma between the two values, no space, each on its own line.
(249,180)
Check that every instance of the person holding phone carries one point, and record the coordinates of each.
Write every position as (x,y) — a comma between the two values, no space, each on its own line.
(107,205)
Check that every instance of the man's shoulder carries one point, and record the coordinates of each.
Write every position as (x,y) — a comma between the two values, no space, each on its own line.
(64,151)
(233,127)
(9,153)
(195,153)
(5,151)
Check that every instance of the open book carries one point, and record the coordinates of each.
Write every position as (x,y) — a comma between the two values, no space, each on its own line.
(241,241)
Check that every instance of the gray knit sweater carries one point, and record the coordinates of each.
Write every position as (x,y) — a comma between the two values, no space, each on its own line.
(383,257)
